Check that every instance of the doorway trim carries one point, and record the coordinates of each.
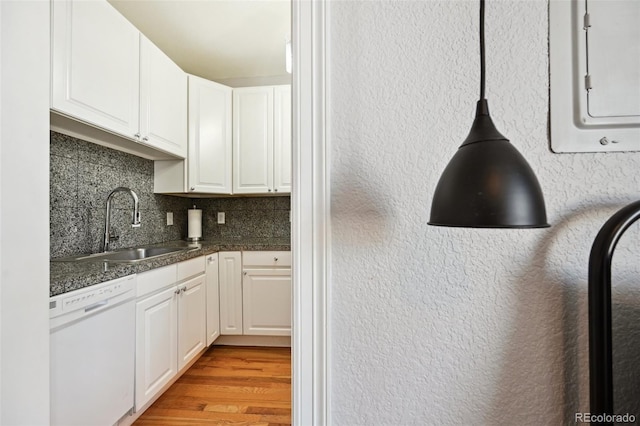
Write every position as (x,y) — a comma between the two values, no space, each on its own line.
(310,237)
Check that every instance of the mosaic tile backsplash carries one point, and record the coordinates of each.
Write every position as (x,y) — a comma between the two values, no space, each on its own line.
(246,218)
(82,175)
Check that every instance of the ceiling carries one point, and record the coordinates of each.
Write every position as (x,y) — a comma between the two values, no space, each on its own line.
(216,39)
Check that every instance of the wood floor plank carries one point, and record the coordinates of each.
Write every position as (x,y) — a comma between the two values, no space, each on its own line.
(269,382)
(233,386)
(214,416)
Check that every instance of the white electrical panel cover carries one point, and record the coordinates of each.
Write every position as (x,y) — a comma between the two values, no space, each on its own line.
(594,49)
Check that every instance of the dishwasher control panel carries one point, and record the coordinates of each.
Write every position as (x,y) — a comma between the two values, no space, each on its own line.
(92,297)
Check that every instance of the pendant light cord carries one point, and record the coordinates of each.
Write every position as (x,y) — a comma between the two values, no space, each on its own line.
(482,61)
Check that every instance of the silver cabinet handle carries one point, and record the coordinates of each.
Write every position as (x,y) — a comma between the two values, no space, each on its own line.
(269,189)
(177,291)
(137,135)
(275,259)
(183,289)
(192,188)
(145,138)
(275,190)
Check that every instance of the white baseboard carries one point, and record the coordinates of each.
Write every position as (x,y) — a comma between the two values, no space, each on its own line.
(275,341)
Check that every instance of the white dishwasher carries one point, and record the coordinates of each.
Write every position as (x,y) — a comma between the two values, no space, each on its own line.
(92,333)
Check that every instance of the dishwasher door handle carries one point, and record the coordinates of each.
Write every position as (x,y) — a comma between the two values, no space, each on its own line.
(96,305)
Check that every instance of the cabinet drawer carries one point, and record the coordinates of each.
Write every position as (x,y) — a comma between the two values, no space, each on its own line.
(260,259)
(190,268)
(156,279)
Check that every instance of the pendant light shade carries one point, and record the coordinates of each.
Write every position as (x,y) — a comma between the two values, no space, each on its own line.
(487,183)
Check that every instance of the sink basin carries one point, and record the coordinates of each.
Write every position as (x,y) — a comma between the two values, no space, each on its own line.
(136,254)
(131,255)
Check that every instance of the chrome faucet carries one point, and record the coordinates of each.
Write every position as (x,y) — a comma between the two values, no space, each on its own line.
(107,215)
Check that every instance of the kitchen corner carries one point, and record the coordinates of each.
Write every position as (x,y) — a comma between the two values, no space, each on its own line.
(82,174)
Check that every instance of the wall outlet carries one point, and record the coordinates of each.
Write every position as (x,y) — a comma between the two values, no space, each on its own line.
(220,218)
(169,218)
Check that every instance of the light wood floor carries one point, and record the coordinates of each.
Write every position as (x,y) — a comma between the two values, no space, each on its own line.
(229,385)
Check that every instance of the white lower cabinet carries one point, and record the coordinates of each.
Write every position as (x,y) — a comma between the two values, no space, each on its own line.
(230,274)
(266,302)
(182,308)
(192,323)
(255,293)
(170,324)
(213,299)
(156,343)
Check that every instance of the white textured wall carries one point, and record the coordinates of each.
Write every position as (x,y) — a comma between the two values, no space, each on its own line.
(456,326)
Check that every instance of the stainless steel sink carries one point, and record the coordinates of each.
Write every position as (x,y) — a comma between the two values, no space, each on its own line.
(131,255)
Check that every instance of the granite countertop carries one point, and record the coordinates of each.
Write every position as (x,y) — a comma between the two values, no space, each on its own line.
(69,276)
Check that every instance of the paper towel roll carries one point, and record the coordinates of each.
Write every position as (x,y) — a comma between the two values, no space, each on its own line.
(194,217)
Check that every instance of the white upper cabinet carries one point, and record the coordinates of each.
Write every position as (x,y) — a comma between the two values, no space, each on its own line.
(261,141)
(282,139)
(107,75)
(95,65)
(209,162)
(207,169)
(163,100)
(252,140)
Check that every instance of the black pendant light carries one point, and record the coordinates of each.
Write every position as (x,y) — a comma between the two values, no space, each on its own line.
(487,183)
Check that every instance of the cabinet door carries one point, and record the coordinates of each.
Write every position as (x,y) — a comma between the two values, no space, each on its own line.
(213,299)
(230,274)
(95,65)
(282,139)
(209,137)
(163,101)
(156,344)
(267,302)
(191,319)
(253,140)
